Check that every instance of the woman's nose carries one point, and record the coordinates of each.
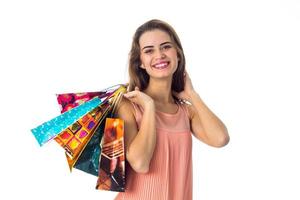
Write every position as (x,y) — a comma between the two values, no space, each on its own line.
(160,54)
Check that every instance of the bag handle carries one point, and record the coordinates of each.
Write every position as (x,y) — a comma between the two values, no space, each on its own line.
(117,99)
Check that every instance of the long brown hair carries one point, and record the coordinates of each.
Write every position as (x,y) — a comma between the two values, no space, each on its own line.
(137,75)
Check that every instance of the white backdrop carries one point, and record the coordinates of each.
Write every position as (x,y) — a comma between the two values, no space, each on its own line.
(242,57)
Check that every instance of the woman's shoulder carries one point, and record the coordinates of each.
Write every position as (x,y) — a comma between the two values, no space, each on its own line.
(125,108)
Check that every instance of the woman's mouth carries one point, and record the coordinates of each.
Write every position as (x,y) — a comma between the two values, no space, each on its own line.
(161,65)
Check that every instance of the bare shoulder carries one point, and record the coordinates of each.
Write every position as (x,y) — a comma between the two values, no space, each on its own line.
(125,109)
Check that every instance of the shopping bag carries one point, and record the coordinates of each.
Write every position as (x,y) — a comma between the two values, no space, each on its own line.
(80,129)
(50,129)
(78,135)
(68,101)
(112,160)
(73,107)
(81,140)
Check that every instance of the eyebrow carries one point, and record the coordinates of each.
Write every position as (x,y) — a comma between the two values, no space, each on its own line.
(159,45)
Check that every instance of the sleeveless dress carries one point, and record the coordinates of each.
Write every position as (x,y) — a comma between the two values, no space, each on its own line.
(170,171)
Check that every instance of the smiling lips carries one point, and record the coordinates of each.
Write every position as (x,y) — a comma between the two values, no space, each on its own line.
(161,65)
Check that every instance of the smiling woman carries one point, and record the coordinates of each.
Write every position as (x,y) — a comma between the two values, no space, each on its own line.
(138,74)
(162,49)
(158,53)
(158,125)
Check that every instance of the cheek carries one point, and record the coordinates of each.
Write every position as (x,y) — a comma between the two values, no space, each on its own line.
(174,54)
(176,58)
(145,60)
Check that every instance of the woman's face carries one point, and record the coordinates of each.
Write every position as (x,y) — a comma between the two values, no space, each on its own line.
(158,54)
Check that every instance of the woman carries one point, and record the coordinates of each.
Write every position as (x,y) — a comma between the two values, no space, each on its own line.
(158,121)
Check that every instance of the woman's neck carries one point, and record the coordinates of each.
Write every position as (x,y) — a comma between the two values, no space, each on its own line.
(160,91)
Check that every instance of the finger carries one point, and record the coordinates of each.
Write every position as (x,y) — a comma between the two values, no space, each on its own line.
(131,97)
(130,94)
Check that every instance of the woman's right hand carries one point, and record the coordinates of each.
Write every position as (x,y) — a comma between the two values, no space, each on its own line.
(140,98)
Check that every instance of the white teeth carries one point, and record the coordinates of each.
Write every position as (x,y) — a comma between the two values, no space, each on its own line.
(161,65)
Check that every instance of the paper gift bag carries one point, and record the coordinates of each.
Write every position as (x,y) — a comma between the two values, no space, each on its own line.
(112,160)
(78,137)
(81,140)
(80,129)
(68,101)
(75,136)
(74,106)
(53,127)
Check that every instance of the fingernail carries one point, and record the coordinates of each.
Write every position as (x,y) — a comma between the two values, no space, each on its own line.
(127,95)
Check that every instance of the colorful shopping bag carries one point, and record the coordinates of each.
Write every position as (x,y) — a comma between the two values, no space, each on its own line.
(85,155)
(53,127)
(68,101)
(80,130)
(74,106)
(112,160)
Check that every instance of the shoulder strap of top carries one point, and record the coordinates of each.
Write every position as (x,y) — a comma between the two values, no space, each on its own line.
(186,112)
(184,108)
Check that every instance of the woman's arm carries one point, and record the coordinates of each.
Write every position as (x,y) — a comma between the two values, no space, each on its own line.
(205,125)
(139,144)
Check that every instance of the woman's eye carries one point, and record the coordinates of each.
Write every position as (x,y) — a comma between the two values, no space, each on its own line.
(167,47)
(148,51)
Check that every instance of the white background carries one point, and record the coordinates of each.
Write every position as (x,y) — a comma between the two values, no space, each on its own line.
(242,57)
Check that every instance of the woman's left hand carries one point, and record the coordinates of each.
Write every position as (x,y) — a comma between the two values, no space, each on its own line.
(188,88)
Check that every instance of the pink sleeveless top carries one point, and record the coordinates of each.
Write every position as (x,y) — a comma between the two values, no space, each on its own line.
(170,171)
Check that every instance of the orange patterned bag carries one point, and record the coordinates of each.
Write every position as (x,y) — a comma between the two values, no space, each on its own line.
(112,159)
